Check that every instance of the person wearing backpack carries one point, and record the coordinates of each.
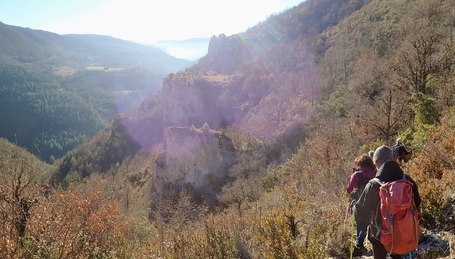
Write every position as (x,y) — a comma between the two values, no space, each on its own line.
(359,178)
(369,204)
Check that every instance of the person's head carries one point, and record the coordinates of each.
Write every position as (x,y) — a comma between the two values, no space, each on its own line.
(371,153)
(381,155)
(364,160)
(399,141)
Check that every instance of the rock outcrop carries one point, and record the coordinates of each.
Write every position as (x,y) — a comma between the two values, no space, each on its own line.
(194,101)
(226,54)
(198,159)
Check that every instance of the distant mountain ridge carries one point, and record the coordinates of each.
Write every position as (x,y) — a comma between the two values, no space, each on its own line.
(24,45)
(190,49)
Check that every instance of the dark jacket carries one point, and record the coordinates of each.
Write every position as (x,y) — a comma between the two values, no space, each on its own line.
(403,154)
(367,206)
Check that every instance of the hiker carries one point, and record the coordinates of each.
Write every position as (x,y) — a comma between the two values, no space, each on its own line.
(368,204)
(359,178)
(400,153)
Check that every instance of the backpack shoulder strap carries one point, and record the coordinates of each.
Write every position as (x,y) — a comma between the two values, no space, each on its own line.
(377,225)
(377,180)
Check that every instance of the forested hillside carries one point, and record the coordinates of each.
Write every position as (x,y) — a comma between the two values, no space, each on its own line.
(56,91)
(41,48)
(297,98)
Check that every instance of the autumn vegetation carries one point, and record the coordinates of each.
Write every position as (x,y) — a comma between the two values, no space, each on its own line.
(347,77)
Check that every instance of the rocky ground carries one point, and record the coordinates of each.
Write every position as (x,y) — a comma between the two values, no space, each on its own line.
(432,245)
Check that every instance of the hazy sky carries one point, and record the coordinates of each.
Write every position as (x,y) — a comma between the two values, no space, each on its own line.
(144,21)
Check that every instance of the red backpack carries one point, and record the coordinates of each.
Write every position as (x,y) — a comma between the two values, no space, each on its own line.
(400,229)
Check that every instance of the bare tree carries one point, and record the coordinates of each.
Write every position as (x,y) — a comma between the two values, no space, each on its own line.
(427,53)
(376,101)
(244,187)
(19,192)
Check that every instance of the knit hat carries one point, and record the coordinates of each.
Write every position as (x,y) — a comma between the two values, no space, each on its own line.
(381,155)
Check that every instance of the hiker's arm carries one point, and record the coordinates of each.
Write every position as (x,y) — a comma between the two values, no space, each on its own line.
(352,183)
(403,151)
(368,201)
(415,191)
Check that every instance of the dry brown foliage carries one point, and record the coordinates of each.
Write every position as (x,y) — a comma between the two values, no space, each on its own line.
(433,168)
(71,223)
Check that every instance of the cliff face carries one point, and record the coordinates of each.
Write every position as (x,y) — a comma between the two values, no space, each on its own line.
(196,155)
(195,158)
(193,101)
(226,54)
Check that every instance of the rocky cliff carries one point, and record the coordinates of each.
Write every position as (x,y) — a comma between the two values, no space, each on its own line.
(188,101)
(226,54)
(194,158)
(196,155)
